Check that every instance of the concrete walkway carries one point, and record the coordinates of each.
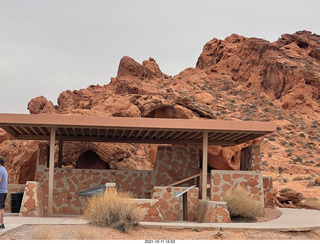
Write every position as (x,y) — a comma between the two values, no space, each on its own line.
(291,219)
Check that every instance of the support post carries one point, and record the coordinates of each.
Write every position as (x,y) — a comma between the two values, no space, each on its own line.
(51,170)
(204,165)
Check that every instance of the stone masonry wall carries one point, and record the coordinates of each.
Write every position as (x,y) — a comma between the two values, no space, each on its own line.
(268,192)
(255,159)
(150,208)
(169,205)
(32,202)
(212,212)
(173,164)
(223,181)
(12,188)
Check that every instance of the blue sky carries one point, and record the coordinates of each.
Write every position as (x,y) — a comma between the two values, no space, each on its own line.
(49,46)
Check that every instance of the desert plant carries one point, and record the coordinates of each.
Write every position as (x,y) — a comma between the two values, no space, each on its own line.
(284,190)
(298,178)
(45,233)
(85,233)
(114,210)
(241,206)
(316,180)
(313,203)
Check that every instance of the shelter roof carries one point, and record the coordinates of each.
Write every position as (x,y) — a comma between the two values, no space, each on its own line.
(133,130)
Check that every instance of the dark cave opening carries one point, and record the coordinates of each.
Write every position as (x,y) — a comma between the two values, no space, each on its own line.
(90,160)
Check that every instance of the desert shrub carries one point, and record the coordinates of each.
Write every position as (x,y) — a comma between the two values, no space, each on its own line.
(316,180)
(298,178)
(313,203)
(113,210)
(280,169)
(241,206)
(291,144)
(284,190)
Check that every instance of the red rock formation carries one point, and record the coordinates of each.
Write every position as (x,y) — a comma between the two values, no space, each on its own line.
(287,68)
(237,78)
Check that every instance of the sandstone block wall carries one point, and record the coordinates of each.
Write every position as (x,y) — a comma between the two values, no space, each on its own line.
(173,164)
(12,188)
(150,208)
(255,158)
(268,192)
(212,212)
(32,202)
(223,181)
(169,205)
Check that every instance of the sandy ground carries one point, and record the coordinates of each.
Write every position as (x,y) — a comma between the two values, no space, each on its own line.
(76,232)
(83,232)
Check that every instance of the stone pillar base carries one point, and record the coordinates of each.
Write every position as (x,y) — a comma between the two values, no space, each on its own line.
(32,203)
(212,212)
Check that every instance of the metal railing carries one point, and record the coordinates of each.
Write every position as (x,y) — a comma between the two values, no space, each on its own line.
(184,195)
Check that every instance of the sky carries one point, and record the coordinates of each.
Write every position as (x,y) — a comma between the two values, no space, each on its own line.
(49,46)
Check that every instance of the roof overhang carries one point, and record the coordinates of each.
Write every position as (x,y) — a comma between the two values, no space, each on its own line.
(133,130)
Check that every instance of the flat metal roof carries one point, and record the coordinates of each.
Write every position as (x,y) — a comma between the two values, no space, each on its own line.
(133,130)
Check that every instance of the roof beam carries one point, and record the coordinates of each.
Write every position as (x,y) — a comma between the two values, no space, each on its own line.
(74,131)
(179,134)
(66,131)
(248,138)
(10,130)
(25,130)
(17,129)
(147,133)
(34,130)
(186,135)
(170,133)
(130,134)
(123,133)
(41,130)
(196,135)
(139,133)
(222,137)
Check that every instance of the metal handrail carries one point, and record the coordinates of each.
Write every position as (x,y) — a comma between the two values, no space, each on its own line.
(185,200)
(185,191)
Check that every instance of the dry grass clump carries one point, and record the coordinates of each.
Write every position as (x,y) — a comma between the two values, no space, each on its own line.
(45,233)
(312,202)
(113,210)
(241,206)
(85,233)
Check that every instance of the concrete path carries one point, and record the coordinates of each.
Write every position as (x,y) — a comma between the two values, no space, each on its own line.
(291,219)
(14,221)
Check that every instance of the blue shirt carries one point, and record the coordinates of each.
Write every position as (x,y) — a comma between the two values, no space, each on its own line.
(4,180)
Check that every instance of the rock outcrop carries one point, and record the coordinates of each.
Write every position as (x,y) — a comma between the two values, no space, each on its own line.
(237,78)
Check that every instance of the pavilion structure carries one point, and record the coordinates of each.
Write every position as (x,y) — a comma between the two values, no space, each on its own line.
(61,128)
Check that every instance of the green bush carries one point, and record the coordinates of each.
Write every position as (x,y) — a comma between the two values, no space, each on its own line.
(241,206)
(113,210)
